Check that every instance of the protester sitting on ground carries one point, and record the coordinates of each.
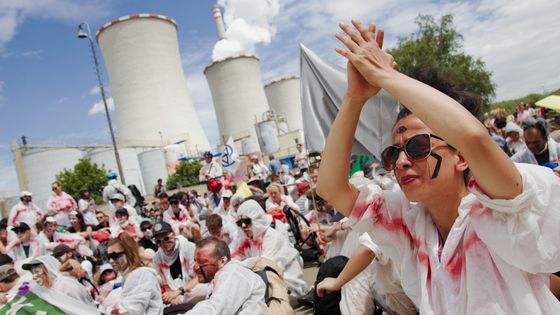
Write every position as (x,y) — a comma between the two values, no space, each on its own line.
(25,211)
(514,138)
(78,226)
(235,288)
(146,241)
(368,275)
(87,207)
(141,293)
(488,230)
(59,204)
(277,199)
(10,282)
(180,220)
(124,224)
(118,201)
(26,246)
(257,239)
(224,208)
(45,271)
(72,265)
(540,149)
(6,235)
(174,261)
(258,168)
(216,228)
(105,282)
(50,237)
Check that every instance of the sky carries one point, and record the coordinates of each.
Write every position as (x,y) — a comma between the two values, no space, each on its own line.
(48,85)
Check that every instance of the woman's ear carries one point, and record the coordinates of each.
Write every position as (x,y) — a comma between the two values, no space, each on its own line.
(461,165)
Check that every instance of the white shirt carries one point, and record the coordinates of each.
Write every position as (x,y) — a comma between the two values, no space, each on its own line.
(212,170)
(497,257)
(301,159)
(235,290)
(141,293)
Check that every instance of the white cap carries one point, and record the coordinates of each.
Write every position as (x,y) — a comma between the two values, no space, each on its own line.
(105,267)
(25,193)
(227,193)
(50,219)
(254,157)
(117,197)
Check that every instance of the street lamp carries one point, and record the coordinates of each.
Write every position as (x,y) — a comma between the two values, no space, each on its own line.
(83,34)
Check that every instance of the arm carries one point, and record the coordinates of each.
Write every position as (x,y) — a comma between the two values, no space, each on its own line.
(361,258)
(494,171)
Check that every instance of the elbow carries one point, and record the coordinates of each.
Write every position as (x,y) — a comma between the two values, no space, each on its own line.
(476,135)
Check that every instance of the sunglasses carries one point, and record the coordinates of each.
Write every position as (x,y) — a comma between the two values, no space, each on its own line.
(115,255)
(163,240)
(417,148)
(243,222)
(146,228)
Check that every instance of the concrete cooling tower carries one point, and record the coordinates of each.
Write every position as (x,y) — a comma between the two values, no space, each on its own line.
(148,85)
(284,98)
(239,99)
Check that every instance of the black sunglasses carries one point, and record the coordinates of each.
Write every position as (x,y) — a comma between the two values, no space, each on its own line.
(243,222)
(146,228)
(161,240)
(115,255)
(416,148)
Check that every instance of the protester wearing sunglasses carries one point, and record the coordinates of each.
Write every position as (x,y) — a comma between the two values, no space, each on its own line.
(141,293)
(146,241)
(463,247)
(60,204)
(256,238)
(174,261)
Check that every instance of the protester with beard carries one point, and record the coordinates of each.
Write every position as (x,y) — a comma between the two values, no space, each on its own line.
(25,211)
(235,288)
(174,261)
(141,293)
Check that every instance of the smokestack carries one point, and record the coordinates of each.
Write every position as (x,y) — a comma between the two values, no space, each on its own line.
(219,22)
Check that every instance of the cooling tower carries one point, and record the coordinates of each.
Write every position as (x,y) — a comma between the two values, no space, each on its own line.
(284,98)
(148,85)
(239,99)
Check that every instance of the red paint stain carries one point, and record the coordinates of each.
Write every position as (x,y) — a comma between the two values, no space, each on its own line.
(456,263)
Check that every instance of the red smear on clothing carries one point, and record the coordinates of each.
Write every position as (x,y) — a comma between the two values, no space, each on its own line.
(184,263)
(479,209)
(424,260)
(239,252)
(163,266)
(456,263)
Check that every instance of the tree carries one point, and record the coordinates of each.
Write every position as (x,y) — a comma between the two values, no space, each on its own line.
(186,174)
(85,176)
(438,44)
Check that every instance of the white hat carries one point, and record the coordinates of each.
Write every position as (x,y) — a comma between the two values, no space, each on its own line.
(105,267)
(50,219)
(254,157)
(25,193)
(117,197)
(227,193)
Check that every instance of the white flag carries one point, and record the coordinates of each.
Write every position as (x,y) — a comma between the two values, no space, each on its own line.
(230,158)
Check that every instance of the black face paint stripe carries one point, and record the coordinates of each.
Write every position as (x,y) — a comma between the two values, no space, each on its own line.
(438,165)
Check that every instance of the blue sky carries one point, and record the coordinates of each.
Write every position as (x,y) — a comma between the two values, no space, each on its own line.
(47,79)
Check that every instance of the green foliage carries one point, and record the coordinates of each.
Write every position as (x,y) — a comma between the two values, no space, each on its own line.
(510,105)
(186,174)
(438,44)
(85,175)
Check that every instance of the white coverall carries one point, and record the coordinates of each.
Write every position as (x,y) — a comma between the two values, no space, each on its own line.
(212,170)
(235,290)
(141,293)
(114,187)
(270,243)
(526,156)
(497,258)
(56,204)
(29,214)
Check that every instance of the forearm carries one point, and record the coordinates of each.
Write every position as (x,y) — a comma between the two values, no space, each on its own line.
(333,182)
(361,258)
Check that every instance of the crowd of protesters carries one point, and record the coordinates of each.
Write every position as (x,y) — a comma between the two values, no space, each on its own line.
(452,220)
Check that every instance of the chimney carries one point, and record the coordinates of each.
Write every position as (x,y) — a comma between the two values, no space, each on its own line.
(219,22)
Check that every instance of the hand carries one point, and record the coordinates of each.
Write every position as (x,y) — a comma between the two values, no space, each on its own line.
(328,285)
(369,63)
(3,298)
(169,296)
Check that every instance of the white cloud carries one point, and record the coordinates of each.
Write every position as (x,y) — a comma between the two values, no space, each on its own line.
(99,107)
(14,13)
(94,90)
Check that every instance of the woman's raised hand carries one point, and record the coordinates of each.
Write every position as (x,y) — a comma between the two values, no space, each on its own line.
(368,65)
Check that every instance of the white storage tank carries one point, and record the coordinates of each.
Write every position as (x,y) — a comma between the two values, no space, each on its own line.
(284,98)
(239,98)
(41,168)
(152,104)
(152,164)
(105,158)
(174,153)
(267,132)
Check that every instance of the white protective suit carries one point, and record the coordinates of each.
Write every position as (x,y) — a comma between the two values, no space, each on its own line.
(141,293)
(29,214)
(526,156)
(114,187)
(270,243)
(235,290)
(212,169)
(497,257)
(379,280)
(65,285)
(162,262)
(56,204)
(16,251)
(184,219)
(87,208)
(286,201)
(260,171)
